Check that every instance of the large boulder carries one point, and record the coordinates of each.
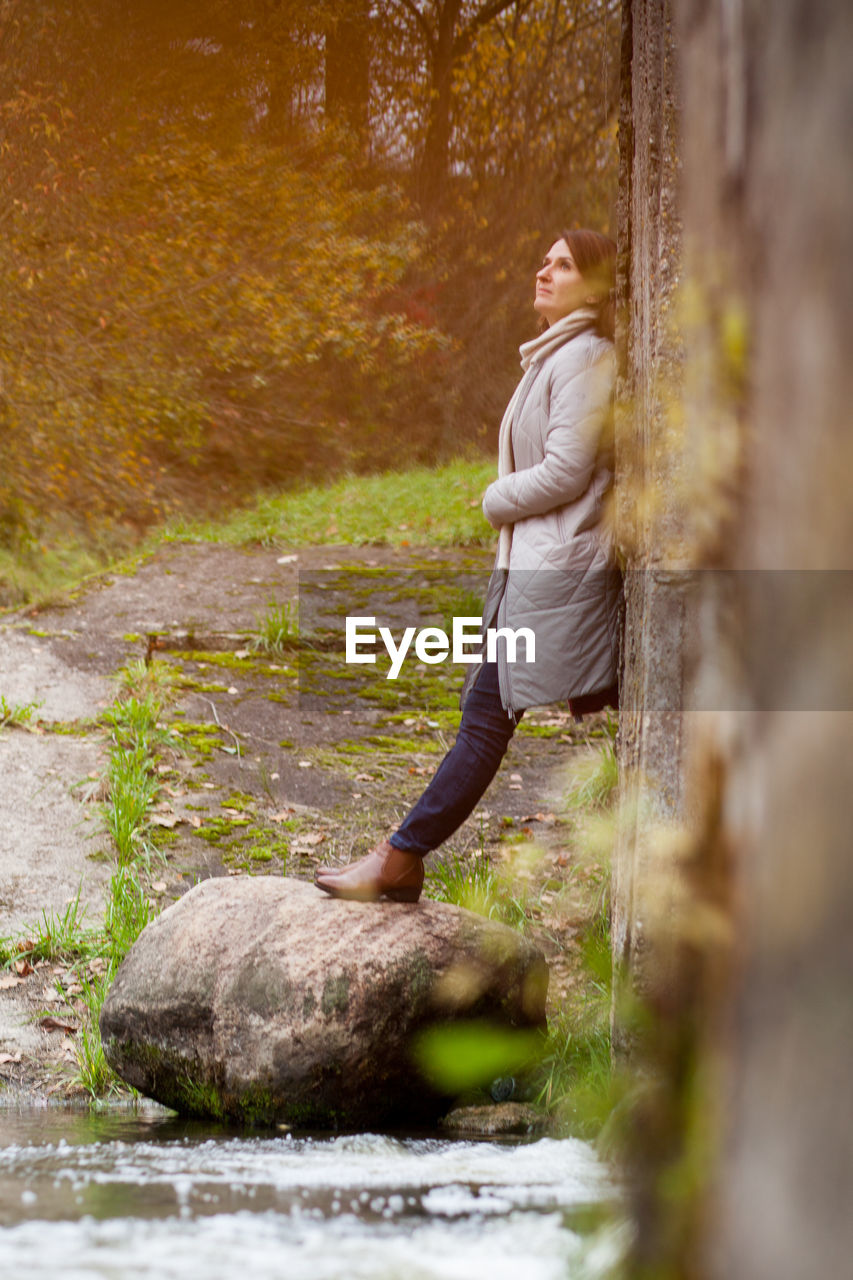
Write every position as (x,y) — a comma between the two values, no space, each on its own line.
(266,1001)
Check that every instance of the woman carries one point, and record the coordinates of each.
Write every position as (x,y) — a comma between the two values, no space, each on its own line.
(554,571)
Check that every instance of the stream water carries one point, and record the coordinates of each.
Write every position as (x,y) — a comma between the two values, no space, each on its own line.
(132,1195)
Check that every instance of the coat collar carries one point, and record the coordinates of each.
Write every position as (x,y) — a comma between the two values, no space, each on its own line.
(555,335)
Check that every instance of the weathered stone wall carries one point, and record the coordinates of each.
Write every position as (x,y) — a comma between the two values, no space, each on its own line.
(739,860)
(649,521)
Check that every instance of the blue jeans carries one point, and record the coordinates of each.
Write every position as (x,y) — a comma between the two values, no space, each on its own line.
(465,772)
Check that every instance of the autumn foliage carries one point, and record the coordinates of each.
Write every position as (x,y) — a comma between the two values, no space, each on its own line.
(228,261)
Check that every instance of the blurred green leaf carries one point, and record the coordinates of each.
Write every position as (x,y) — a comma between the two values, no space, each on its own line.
(465,1055)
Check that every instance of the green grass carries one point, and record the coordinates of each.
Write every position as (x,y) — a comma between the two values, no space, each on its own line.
(133,722)
(418,507)
(597,779)
(16,714)
(94,1073)
(570,1075)
(45,572)
(126,914)
(278,629)
(133,785)
(474,883)
(574,1079)
(67,938)
(141,679)
(53,937)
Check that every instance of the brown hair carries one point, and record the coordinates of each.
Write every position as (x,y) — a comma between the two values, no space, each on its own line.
(595,258)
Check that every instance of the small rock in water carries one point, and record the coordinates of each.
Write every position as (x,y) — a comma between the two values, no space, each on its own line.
(489,1121)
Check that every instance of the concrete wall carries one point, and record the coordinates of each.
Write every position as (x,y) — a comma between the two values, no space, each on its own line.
(733,887)
(648,510)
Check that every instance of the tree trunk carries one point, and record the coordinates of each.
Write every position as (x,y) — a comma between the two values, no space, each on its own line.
(348,67)
(432,177)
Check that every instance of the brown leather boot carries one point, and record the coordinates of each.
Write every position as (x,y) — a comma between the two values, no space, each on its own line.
(384,871)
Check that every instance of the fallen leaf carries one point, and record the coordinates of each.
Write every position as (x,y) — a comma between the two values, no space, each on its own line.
(308,840)
(9,1057)
(159,886)
(364,777)
(195,820)
(54,1024)
(8,981)
(283,815)
(23,967)
(165,820)
(175,792)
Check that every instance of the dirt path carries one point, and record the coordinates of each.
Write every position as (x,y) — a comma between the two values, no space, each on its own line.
(280,760)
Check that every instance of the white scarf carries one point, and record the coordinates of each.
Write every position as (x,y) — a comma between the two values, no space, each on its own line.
(532,354)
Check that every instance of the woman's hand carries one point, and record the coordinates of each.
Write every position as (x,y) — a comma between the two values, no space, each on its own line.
(488,505)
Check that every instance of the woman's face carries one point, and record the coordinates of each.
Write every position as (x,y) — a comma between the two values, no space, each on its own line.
(560,287)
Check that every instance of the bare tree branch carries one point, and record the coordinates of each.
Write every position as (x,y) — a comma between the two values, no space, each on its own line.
(482,18)
(420,19)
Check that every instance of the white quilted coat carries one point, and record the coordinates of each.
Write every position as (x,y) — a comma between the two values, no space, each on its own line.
(555,571)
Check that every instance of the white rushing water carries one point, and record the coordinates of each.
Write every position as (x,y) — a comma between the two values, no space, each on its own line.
(130,1197)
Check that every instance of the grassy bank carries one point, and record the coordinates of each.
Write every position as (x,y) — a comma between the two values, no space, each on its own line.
(418,507)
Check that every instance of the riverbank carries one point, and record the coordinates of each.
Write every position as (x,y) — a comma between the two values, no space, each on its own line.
(270,756)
